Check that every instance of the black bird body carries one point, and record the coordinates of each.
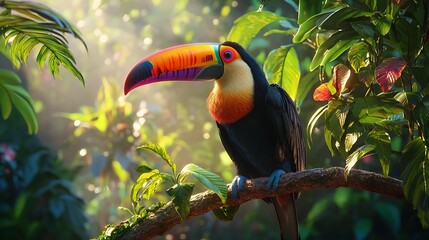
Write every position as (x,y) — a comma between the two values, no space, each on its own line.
(261,141)
(268,138)
(252,142)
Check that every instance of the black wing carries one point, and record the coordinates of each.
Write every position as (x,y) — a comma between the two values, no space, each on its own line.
(287,126)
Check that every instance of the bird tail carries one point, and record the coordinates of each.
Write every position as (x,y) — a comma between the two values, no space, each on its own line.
(287,216)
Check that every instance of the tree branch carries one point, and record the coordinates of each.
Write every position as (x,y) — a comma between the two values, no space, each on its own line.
(166,217)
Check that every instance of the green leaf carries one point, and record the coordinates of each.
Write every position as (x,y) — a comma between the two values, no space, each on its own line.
(334,52)
(56,207)
(356,156)
(408,99)
(143,169)
(307,9)
(381,140)
(181,195)
(354,132)
(312,122)
(292,4)
(226,213)
(421,114)
(307,83)
(335,118)
(372,4)
(161,152)
(374,109)
(364,29)
(19,206)
(394,124)
(120,172)
(306,28)
(415,177)
(331,142)
(382,22)
(403,28)
(342,197)
(207,178)
(362,228)
(282,68)
(5,102)
(319,207)
(346,14)
(358,55)
(333,47)
(13,92)
(247,26)
(147,183)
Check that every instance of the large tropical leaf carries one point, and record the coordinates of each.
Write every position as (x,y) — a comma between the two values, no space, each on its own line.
(13,94)
(247,26)
(346,14)
(374,109)
(416,174)
(332,48)
(388,72)
(310,24)
(308,8)
(29,25)
(282,68)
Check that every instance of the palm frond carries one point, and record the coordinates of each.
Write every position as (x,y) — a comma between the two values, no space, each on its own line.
(27,25)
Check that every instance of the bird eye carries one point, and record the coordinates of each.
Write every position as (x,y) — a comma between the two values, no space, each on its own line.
(227,55)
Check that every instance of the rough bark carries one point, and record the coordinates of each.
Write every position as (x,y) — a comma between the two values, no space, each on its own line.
(166,217)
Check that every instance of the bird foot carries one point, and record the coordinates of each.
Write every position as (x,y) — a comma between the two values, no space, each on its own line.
(273,183)
(237,185)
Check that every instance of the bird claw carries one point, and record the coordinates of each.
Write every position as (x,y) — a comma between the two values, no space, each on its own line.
(273,183)
(237,185)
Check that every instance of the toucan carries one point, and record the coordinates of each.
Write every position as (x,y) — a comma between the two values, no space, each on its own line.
(258,122)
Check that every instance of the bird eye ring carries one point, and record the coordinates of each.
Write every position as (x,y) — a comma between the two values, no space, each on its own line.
(227,55)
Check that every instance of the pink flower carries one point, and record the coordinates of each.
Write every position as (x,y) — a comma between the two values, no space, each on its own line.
(7,152)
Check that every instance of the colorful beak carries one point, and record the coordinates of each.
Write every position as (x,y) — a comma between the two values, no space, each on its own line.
(181,63)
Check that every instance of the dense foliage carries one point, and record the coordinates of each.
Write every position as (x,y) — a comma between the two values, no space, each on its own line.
(37,197)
